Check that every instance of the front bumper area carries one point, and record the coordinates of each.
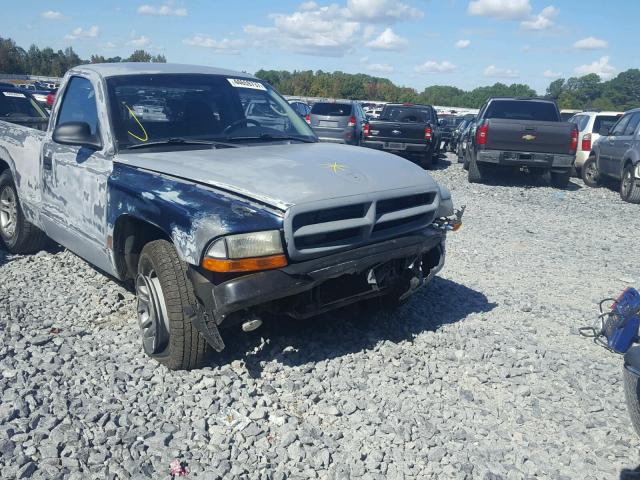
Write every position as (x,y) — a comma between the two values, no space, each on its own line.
(308,288)
(526,159)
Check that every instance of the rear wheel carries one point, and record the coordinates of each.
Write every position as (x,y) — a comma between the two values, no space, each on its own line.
(426,161)
(165,295)
(560,179)
(590,173)
(629,191)
(18,235)
(477,172)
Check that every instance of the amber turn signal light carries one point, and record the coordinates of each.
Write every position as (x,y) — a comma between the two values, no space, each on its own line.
(225,265)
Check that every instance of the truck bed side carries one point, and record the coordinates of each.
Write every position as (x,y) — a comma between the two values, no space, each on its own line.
(20,148)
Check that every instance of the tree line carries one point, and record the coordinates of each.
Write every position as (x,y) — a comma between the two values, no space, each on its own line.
(588,91)
(51,63)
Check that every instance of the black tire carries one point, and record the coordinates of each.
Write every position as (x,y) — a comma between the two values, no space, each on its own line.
(176,343)
(426,161)
(560,179)
(632,396)
(590,173)
(477,172)
(17,234)
(629,190)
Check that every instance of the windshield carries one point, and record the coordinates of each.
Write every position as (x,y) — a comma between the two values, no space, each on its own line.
(522,110)
(155,108)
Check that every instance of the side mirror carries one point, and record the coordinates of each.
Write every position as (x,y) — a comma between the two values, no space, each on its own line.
(76,133)
(604,132)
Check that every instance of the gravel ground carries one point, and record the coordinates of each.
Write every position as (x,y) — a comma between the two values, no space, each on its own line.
(481,375)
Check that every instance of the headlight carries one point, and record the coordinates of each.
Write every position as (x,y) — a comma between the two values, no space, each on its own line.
(246,252)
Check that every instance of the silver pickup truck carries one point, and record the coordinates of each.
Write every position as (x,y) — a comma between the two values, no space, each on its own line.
(158,176)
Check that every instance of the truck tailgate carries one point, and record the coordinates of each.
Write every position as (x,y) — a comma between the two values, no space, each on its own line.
(529,136)
(386,131)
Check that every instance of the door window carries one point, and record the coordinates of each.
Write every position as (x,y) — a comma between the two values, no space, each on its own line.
(620,127)
(79,104)
(632,126)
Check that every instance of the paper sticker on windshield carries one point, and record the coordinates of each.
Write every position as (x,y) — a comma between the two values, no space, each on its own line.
(14,94)
(242,83)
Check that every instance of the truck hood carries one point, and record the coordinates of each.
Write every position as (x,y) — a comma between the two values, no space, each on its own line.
(289,174)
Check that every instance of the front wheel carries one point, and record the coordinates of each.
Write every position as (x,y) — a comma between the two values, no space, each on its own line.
(590,173)
(629,191)
(18,235)
(165,295)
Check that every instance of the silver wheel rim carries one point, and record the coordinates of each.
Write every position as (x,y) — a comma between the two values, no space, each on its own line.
(153,320)
(626,184)
(591,172)
(8,212)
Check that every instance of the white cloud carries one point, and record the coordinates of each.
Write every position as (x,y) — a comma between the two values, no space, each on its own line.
(493,71)
(600,67)
(434,67)
(590,43)
(91,32)
(463,43)
(52,15)
(139,42)
(225,45)
(325,31)
(388,40)
(501,9)
(542,21)
(109,45)
(165,10)
(551,74)
(381,11)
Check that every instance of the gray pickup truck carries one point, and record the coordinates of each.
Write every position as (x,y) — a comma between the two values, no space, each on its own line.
(156,175)
(524,133)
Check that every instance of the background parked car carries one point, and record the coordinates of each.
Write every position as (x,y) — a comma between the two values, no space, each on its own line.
(338,122)
(616,155)
(589,125)
(19,107)
(456,134)
(566,114)
(301,108)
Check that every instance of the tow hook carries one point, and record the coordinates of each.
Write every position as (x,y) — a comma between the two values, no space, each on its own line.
(451,224)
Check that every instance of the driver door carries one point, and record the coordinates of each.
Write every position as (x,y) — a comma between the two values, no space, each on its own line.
(75,181)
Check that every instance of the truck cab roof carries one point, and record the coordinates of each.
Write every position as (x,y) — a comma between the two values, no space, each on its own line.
(105,70)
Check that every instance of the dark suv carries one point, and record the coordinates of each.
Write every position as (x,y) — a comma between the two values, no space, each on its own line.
(338,122)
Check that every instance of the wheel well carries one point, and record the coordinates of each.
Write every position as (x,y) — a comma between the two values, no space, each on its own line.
(130,235)
(3,166)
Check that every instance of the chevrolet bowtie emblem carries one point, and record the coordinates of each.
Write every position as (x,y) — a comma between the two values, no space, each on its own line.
(528,138)
(335,167)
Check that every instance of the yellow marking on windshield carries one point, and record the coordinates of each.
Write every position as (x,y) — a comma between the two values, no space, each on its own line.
(135,117)
(335,167)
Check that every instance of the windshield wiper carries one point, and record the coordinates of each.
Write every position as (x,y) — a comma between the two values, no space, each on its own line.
(181,141)
(270,137)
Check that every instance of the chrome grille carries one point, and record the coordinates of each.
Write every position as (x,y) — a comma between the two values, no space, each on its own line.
(341,224)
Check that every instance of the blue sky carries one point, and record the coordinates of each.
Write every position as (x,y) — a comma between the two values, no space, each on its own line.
(466,43)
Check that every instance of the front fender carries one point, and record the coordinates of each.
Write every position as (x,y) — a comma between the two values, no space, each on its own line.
(192,215)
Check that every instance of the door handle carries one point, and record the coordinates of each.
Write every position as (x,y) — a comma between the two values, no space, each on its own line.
(47,161)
